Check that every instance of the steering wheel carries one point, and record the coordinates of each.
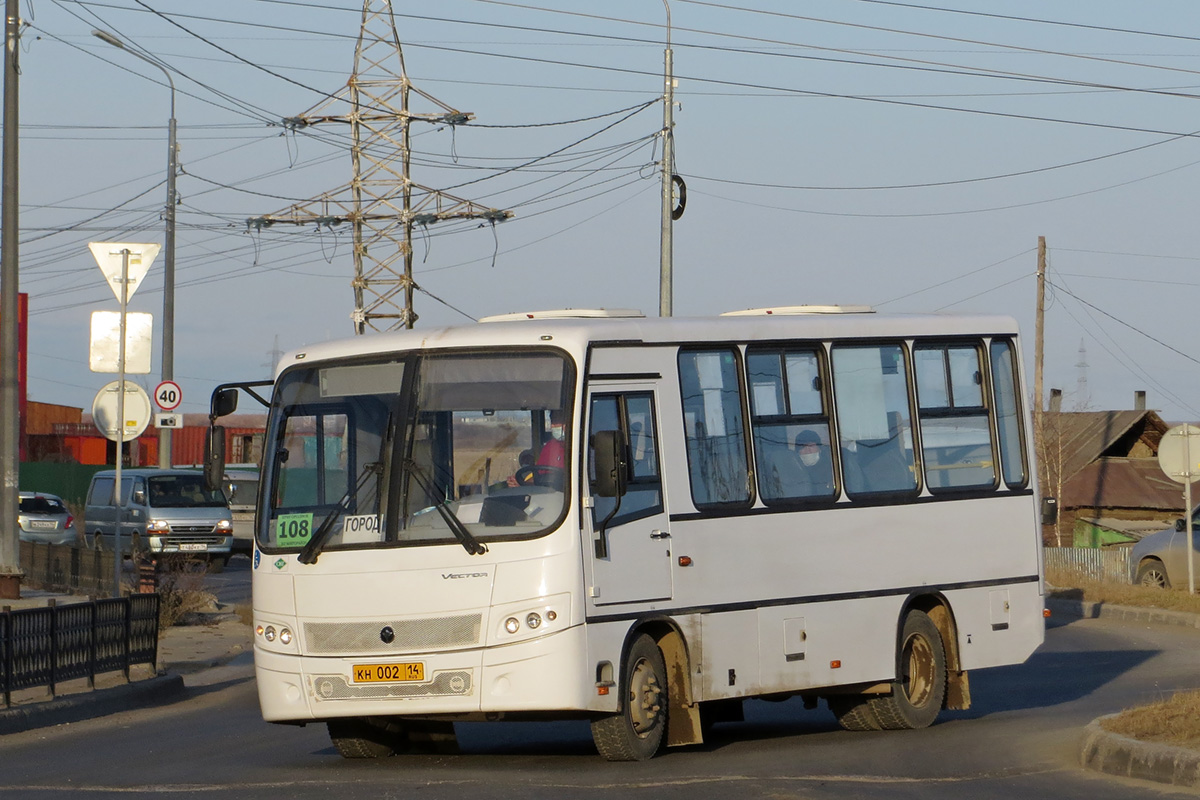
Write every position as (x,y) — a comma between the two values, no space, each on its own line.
(540,475)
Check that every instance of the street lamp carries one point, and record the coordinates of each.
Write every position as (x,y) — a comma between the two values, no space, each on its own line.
(168,321)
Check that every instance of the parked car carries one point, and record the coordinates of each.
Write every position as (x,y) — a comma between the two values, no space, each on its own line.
(161,511)
(44,518)
(1160,559)
(241,489)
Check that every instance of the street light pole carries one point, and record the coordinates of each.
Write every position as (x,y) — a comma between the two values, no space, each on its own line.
(168,315)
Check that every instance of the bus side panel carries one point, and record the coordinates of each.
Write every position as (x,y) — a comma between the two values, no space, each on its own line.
(807,646)
(998,626)
(730,665)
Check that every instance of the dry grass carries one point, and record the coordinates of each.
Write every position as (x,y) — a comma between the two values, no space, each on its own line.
(1173,720)
(181,590)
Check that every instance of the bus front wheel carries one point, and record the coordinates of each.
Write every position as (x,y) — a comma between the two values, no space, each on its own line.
(636,731)
(365,737)
(920,685)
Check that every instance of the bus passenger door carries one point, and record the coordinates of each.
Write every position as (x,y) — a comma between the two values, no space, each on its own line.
(634,562)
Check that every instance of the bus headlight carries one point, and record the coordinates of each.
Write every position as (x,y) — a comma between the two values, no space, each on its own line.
(539,617)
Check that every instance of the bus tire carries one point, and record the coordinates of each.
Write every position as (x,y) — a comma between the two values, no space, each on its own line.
(365,737)
(853,712)
(920,686)
(635,732)
(216,564)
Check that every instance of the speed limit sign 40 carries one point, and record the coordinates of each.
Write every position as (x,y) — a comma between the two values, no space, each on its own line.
(168,395)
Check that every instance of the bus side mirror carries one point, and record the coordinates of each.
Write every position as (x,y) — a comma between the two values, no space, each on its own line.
(1180,525)
(214,456)
(612,465)
(224,402)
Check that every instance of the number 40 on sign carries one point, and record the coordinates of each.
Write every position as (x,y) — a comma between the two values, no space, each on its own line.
(168,395)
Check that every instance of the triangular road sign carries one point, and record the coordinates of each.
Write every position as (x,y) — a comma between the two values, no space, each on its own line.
(110,255)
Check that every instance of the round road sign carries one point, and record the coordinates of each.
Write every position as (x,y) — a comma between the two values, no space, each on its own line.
(1179,453)
(137,411)
(168,395)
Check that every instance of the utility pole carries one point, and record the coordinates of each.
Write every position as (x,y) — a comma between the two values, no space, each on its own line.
(665,255)
(10,417)
(1039,346)
(381,202)
(1039,341)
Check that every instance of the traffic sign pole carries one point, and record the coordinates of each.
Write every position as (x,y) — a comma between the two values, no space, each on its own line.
(1187,504)
(1175,457)
(120,426)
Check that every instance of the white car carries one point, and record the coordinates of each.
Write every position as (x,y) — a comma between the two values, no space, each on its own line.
(44,518)
(1160,559)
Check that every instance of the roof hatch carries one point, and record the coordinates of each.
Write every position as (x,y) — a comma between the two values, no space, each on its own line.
(567,313)
(782,311)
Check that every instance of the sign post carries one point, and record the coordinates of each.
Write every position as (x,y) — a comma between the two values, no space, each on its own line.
(1179,457)
(134,261)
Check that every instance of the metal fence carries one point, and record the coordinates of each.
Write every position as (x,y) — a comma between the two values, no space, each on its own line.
(46,646)
(62,568)
(1106,564)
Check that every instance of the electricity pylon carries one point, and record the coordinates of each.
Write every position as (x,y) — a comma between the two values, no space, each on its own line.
(381,202)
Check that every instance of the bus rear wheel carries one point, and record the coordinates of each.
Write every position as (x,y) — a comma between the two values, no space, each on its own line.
(920,685)
(853,712)
(635,733)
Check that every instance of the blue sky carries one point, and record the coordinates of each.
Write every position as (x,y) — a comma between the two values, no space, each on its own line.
(901,155)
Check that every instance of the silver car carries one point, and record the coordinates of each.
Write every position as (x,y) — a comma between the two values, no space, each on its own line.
(44,518)
(1160,559)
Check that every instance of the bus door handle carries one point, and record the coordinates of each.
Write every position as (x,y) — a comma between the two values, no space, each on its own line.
(660,535)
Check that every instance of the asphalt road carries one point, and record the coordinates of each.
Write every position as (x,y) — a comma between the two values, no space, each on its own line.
(1019,740)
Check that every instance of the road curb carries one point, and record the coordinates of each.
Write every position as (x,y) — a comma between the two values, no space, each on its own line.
(1114,754)
(158,690)
(1155,616)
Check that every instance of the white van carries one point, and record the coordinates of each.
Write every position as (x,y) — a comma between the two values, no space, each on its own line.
(161,511)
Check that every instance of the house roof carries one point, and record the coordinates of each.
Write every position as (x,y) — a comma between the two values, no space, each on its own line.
(1082,437)
(1127,483)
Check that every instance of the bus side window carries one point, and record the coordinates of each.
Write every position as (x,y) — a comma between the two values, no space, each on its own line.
(792,447)
(1008,414)
(870,384)
(714,427)
(956,435)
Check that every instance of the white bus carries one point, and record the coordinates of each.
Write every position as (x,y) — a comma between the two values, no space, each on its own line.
(642,522)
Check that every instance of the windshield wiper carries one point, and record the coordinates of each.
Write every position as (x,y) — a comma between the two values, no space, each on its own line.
(317,542)
(456,526)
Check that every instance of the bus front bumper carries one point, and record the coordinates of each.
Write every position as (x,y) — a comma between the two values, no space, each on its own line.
(549,673)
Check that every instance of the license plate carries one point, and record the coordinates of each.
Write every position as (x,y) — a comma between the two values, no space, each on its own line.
(191,547)
(43,524)
(389,673)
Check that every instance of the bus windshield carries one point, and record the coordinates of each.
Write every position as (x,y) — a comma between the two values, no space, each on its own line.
(413,449)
